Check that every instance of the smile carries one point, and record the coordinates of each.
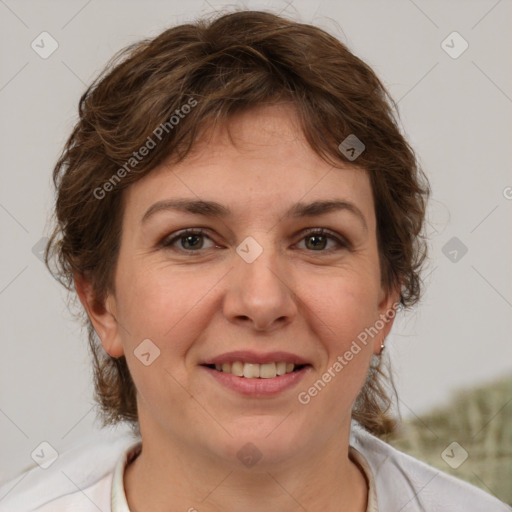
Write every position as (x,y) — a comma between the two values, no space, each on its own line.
(255,374)
(256,371)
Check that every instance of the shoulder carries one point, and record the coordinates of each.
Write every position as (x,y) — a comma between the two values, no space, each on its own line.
(79,479)
(408,484)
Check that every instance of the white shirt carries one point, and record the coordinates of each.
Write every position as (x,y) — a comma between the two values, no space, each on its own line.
(89,478)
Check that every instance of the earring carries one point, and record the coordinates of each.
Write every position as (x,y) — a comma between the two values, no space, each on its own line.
(382,347)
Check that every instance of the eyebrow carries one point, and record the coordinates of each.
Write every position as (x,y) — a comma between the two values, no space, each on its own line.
(217,210)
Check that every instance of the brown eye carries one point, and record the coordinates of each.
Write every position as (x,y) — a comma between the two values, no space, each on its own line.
(317,240)
(189,240)
(192,241)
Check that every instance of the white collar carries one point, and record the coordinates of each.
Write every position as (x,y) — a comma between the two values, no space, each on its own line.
(118,495)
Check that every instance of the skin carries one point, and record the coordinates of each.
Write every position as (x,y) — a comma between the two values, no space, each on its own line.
(310,300)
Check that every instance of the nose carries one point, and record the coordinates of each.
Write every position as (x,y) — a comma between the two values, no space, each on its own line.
(260,294)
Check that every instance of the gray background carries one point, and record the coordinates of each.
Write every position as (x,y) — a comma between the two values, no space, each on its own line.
(456,113)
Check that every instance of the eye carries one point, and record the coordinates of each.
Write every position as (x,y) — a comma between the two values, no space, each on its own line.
(319,237)
(190,240)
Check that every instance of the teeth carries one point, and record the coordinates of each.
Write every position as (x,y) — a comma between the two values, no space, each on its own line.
(268,371)
(237,369)
(255,371)
(281,368)
(251,371)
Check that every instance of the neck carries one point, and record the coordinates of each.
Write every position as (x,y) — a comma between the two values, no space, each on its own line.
(167,476)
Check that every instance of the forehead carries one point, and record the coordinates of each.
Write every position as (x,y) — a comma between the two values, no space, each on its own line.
(258,161)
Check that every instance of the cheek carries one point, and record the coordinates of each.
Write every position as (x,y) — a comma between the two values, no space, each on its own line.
(343,306)
(342,309)
(164,305)
(166,308)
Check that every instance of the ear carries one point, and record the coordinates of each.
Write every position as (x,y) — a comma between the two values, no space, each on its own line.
(102,315)
(389,301)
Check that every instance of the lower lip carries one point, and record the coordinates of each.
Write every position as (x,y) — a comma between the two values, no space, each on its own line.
(258,387)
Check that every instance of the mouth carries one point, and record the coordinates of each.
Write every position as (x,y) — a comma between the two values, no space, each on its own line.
(255,370)
(257,375)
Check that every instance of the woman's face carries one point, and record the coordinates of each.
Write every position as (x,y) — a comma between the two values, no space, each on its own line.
(253,292)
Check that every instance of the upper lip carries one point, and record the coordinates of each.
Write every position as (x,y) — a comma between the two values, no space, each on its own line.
(248,356)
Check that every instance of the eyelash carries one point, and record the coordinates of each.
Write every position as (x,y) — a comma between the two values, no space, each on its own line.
(168,242)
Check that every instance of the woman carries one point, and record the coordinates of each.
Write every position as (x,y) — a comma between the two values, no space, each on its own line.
(240,217)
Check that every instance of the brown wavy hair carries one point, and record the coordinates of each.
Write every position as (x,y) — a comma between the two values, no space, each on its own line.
(223,65)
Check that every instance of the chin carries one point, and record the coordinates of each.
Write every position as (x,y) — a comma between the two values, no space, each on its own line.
(260,442)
